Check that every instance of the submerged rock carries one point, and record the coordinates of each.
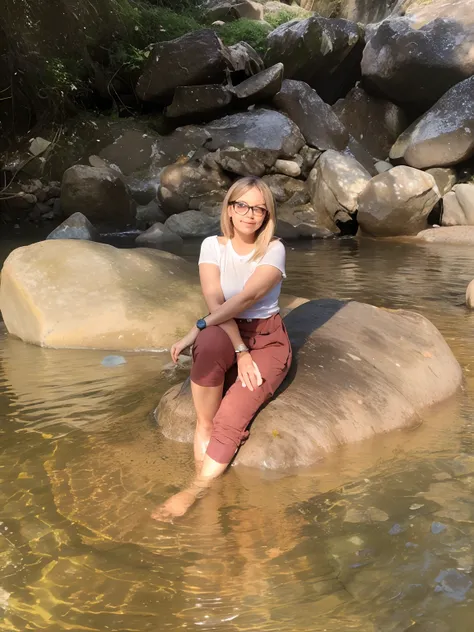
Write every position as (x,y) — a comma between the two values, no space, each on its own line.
(458,206)
(161,237)
(75,227)
(79,294)
(358,371)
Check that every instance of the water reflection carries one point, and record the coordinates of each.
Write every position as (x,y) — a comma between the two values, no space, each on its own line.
(348,545)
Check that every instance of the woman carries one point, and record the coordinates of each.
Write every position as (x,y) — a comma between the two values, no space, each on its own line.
(242,344)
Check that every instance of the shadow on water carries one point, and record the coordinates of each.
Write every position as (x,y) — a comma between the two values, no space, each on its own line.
(378,538)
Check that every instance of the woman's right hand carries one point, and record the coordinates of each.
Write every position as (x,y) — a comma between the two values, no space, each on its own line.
(249,373)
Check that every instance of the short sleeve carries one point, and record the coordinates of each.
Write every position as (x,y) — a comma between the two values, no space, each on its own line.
(275,256)
(210,251)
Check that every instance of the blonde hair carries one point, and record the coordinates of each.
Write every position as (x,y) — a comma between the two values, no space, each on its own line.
(267,229)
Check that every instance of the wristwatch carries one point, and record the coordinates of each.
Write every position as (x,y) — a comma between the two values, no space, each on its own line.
(240,349)
(201,324)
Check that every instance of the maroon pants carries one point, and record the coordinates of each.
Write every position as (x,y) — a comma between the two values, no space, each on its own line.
(214,363)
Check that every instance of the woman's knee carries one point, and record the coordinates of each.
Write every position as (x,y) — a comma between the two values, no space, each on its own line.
(213,354)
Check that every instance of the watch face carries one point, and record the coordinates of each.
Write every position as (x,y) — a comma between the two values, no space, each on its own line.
(201,324)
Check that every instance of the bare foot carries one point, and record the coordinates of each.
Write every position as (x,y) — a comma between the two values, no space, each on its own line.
(175,507)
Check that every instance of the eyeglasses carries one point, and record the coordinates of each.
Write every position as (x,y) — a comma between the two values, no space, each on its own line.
(242,208)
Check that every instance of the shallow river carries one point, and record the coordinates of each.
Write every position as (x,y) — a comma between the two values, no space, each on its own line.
(379,537)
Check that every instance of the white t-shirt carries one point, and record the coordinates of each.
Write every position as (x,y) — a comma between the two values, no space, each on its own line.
(236,269)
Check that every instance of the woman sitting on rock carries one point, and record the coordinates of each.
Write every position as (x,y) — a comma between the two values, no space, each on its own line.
(241,351)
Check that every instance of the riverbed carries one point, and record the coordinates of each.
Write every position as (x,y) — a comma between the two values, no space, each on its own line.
(377,538)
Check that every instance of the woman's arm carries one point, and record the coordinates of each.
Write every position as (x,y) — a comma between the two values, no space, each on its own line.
(214,297)
(259,284)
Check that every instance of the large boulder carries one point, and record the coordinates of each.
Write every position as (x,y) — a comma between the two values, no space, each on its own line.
(335,185)
(444,135)
(193,59)
(397,202)
(323,53)
(319,125)
(199,102)
(99,192)
(356,10)
(183,186)
(458,206)
(79,294)
(416,67)
(193,224)
(358,371)
(243,60)
(374,123)
(259,129)
(470,295)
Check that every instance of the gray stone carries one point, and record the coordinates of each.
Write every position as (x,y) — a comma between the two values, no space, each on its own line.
(149,214)
(458,206)
(322,52)
(285,230)
(196,58)
(198,102)
(260,87)
(309,156)
(374,123)
(288,168)
(243,59)
(193,224)
(445,178)
(77,226)
(286,189)
(358,371)
(382,166)
(99,192)
(397,202)
(319,125)
(453,584)
(246,162)
(417,66)
(229,11)
(444,135)
(132,151)
(193,180)
(161,237)
(260,129)
(336,183)
(311,222)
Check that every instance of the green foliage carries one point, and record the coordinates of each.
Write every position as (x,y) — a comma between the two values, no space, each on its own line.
(285,15)
(250,31)
(157,24)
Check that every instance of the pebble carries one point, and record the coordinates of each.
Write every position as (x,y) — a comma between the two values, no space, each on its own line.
(453,584)
(396,529)
(438,527)
(113,360)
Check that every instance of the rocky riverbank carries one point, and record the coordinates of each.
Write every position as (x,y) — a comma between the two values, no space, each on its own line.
(355,127)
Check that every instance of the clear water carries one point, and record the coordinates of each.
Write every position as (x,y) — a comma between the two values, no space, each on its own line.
(380,537)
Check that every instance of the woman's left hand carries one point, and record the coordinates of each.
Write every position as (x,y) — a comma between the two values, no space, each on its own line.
(183,344)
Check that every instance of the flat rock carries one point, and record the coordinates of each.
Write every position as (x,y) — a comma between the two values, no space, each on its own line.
(358,371)
(260,87)
(260,129)
(448,235)
(245,161)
